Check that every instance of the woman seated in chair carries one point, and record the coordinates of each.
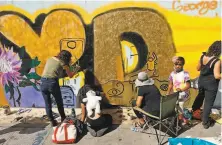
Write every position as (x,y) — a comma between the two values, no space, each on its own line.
(148,98)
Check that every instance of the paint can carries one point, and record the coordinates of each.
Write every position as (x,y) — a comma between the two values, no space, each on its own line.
(7,110)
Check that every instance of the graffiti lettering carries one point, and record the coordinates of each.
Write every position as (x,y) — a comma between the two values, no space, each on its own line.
(112,43)
(164,87)
(203,7)
(117,89)
(135,37)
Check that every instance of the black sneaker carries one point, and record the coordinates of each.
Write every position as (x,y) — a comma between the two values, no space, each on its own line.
(206,126)
(210,123)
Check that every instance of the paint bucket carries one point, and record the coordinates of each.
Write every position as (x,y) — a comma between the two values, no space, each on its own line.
(7,110)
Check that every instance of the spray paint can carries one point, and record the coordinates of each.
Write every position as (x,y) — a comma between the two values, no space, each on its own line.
(73,113)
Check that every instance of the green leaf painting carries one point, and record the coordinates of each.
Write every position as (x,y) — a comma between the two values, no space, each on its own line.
(33,75)
(6,89)
(35,62)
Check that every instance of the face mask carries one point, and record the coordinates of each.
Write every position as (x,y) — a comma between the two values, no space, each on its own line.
(177,70)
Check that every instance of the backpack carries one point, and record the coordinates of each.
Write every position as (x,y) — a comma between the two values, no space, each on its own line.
(80,126)
(197,114)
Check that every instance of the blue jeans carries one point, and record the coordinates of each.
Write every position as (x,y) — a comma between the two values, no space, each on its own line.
(51,86)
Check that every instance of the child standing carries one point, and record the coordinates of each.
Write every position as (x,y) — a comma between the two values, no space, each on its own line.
(179,81)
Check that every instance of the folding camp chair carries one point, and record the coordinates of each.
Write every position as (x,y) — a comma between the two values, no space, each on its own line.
(168,116)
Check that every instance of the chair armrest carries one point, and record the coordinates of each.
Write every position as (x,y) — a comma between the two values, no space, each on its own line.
(145,113)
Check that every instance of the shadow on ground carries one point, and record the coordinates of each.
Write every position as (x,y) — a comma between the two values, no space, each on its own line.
(2,140)
(24,123)
(184,128)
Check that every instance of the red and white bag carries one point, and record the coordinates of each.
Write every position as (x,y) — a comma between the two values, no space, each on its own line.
(64,134)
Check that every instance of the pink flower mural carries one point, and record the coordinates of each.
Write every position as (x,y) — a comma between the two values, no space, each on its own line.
(16,79)
(10,64)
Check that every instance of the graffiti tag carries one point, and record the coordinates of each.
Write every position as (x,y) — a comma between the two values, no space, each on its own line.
(202,6)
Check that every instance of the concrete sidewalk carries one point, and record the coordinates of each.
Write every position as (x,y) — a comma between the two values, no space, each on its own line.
(31,130)
(122,135)
(40,134)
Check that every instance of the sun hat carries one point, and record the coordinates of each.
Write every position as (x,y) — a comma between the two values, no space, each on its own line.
(143,80)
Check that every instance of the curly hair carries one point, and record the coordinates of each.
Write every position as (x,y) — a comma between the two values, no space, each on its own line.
(214,49)
(65,56)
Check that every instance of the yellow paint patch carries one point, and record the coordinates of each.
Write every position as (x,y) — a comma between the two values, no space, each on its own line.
(3,100)
(119,68)
(80,75)
(130,56)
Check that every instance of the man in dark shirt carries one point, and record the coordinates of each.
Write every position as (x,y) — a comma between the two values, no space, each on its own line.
(148,97)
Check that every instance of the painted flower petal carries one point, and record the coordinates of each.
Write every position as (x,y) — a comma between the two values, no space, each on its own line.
(15,68)
(9,78)
(16,62)
(2,55)
(10,55)
(16,80)
(14,59)
(4,80)
(1,78)
(2,52)
(10,65)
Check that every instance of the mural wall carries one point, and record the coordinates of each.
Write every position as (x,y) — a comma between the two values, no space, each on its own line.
(115,41)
